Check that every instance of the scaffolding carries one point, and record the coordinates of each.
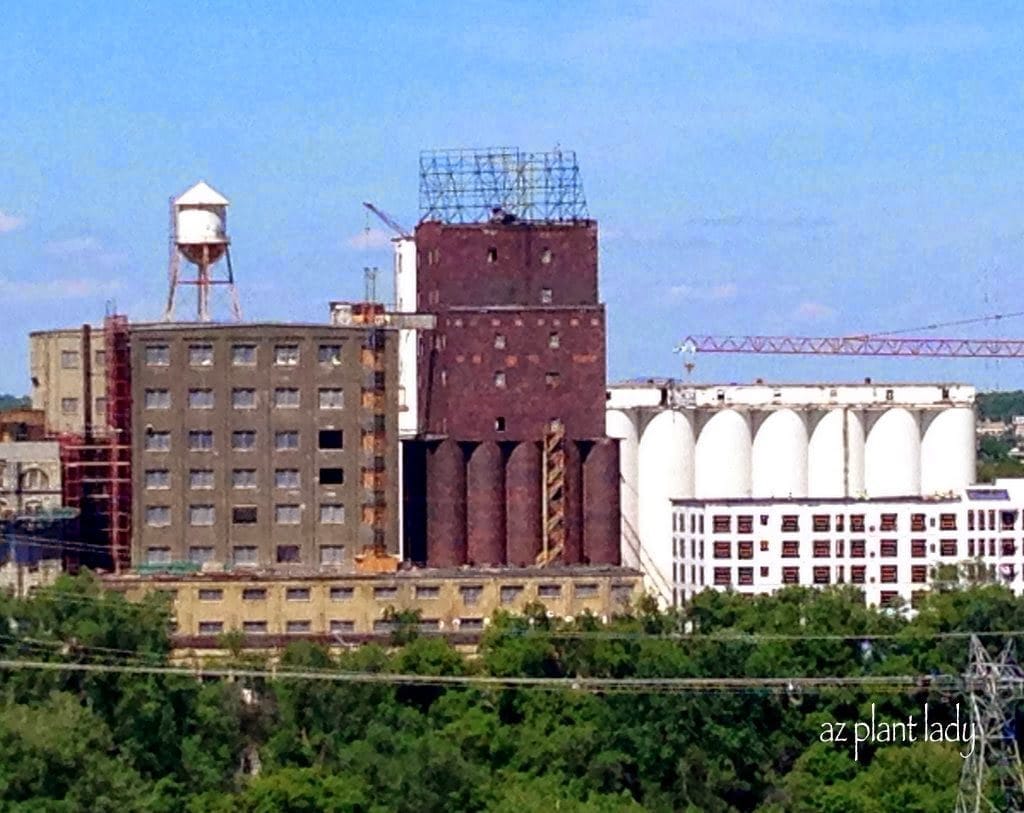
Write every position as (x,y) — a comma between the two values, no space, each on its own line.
(481,185)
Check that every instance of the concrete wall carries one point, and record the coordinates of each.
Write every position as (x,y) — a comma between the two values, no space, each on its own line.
(57,378)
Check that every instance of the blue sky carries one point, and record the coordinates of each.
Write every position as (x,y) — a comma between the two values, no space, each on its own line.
(814,168)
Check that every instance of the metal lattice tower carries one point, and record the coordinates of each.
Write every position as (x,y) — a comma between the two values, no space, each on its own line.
(992,778)
(478,185)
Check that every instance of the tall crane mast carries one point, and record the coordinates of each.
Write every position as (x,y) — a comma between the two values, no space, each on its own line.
(389,221)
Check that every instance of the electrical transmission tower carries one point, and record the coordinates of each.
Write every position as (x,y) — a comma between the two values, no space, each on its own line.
(992,778)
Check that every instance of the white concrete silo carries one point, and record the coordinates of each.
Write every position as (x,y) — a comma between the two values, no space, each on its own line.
(621,424)
(666,468)
(892,454)
(722,455)
(947,450)
(835,454)
(779,455)
(405,302)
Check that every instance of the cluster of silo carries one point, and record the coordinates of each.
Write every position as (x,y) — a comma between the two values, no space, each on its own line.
(484,502)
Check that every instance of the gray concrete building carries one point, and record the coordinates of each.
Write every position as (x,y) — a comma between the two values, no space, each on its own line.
(30,477)
(263,445)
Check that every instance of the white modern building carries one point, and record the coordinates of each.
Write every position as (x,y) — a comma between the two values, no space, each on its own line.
(890,548)
(765,441)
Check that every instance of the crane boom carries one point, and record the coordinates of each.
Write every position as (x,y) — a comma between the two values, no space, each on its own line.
(389,221)
(856,346)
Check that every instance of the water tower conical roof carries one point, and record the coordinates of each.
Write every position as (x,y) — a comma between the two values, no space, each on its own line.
(202,194)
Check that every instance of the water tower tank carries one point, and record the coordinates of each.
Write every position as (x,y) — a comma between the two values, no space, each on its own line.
(200,224)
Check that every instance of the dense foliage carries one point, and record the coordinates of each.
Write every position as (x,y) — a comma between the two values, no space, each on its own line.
(1000,405)
(8,401)
(109,741)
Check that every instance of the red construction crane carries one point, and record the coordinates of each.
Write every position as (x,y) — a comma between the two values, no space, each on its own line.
(389,221)
(856,346)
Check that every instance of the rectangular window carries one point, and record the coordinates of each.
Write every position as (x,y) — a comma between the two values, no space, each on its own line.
(339,625)
(917,522)
(289,554)
(286,441)
(331,439)
(243,440)
(499,341)
(244,515)
(254,627)
(745,550)
(430,591)
(158,478)
(286,478)
(200,554)
(69,359)
(947,522)
(821,522)
(722,550)
(158,441)
(790,523)
(721,524)
(509,593)
(822,548)
(745,524)
(297,626)
(243,478)
(200,355)
(552,380)
(158,516)
(332,476)
(549,591)
(158,355)
(157,399)
(948,547)
(554,341)
(211,627)
(243,355)
(200,479)
(546,296)
(200,515)
(918,548)
(919,574)
(790,549)
(342,593)
(821,575)
(245,555)
(332,398)
(287,514)
(889,548)
(200,440)
(723,576)
(970,520)
(210,594)
(332,514)
(243,398)
(332,554)
(286,398)
(791,575)
(889,574)
(1007,548)
(857,548)
(745,576)
(857,522)
(888,522)
(499,380)
(101,405)
(857,574)
(329,354)
(69,406)
(385,592)
(200,399)
(158,556)
(286,355)
(840,525)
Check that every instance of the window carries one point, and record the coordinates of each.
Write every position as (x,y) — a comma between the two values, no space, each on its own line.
(158,556)
(286,478)
(69,406)
(254,594)
(919,574)
(243,399)
(889,548)
(158,441)
(286,441)
(552,380)
(1006,547)
(244,515)
(69,359)
(790,549)
(333,398)
(822,548)
(857,549)
(286,355)
(745,576)
(546,296)
(492,255)
(947,547)
(210,594)
(467,624)
(888,522)
(243,555)
(243,440)
(254,627)
(499,341)
(287,514)
(329,354)
(158,355)
(839,522)
(723,576)
(289,554)
(721,524)
(430,591)
(499,424)
(764,572)
(889,574)
(857,574)
(499,380)
(199,554)
(332,554)
(332,476)
(243,478)
(157,399)
(745,550)
(101,405)
(338,625)
(385,592)
(546,256)
(745,524)
(764,546)
(342,593)
(158,478)
(331,439)
(790,523)
(297,626)
(158,516)
(332,514)
(200,515)
(286,398)
(243,355)
(586,590)
(857,522)
(917,522)
(554,341)
(549,591)
(200,440)
(918,548)
(947,522)
(211,627)
(791,575)
(200,355)
(509,593)
(821,522)
(821,575)
(722,550)
(200,399)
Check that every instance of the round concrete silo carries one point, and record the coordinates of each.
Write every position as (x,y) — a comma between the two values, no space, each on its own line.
(621,424)
(947,450)
(485,505)
(779,455)
(892,454)
(601,521)
(722,457)
(446,505)
(523,507)
(835,454)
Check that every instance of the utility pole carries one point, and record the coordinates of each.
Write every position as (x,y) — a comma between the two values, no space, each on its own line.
(992,779)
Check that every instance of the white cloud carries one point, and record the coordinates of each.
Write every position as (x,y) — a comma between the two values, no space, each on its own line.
(711,293)
(370,239)
(814,311)
(10,222)
(84,251)
(73,246)
(57,288)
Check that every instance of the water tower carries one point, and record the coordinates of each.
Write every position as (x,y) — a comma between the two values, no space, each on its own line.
(199,234)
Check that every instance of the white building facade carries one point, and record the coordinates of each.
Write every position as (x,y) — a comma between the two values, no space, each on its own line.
(892,549)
